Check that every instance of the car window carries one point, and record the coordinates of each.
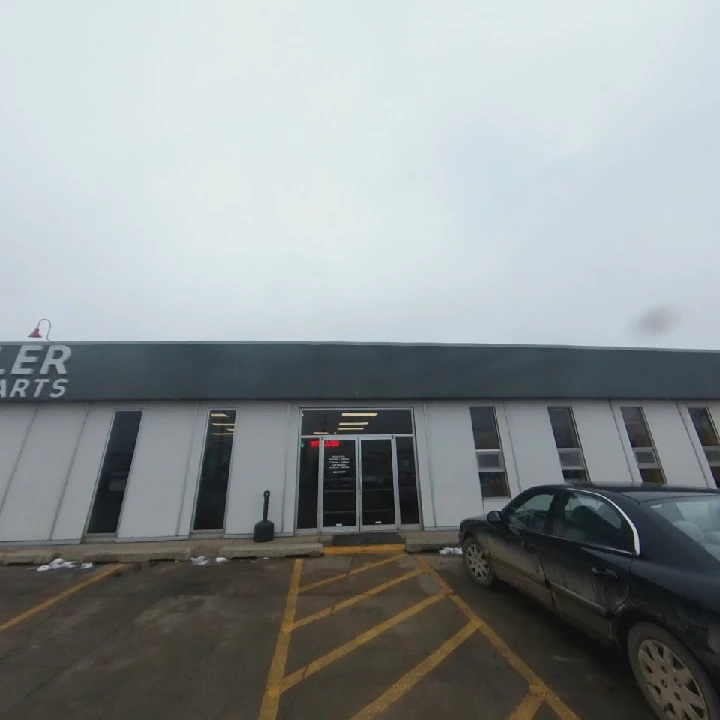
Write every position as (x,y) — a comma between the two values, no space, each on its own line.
(588,519)
(531,514)
(698,517)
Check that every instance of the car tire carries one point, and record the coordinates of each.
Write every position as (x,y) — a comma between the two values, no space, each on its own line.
(669,675)
(477,563)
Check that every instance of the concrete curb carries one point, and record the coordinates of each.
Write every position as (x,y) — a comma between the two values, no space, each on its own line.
(27,557)
(239,552)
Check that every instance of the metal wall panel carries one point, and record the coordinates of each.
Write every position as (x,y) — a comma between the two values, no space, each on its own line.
(259,457)
(35,491)
(456,490)
(533,444)
(601,442)
(79,492)
(674,447)
(156,486)
(14,425)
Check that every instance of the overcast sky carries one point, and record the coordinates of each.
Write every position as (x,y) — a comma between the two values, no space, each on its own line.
(365,170)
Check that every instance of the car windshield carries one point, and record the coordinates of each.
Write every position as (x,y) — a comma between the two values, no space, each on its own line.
(697,516)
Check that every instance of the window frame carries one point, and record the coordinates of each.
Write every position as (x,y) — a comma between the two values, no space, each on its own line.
(582,466)
(635,552)
(485,452)
(526,497)
(713,463)
(657,465)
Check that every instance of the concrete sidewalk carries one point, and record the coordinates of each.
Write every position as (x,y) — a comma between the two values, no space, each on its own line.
(109,552)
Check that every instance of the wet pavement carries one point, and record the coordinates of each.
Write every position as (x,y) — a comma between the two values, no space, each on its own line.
(357,636)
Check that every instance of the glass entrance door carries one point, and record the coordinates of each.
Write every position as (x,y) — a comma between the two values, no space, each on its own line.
(378,491)
(339,484)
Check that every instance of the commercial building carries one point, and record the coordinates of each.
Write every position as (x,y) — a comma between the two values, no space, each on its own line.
(133,441)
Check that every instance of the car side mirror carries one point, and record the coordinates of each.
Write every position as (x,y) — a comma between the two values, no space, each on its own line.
(494,517)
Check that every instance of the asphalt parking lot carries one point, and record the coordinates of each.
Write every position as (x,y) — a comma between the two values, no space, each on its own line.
(349,636)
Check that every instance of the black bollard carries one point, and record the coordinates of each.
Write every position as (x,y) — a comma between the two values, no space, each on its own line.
(264,530)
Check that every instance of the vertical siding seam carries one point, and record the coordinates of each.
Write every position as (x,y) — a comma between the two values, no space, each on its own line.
(17,459)
(187,473)
(429,464)
(69,472)
(512,447)
(285,467)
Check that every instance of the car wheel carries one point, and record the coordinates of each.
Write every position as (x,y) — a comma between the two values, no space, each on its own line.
(669,676)
(477,563)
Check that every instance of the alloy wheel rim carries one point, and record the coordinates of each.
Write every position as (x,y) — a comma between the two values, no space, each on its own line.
(477,561)
(670,682)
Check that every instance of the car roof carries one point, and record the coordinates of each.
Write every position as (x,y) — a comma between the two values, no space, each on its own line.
(639,493)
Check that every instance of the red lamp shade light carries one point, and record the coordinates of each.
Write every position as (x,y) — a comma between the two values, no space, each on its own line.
(36,334)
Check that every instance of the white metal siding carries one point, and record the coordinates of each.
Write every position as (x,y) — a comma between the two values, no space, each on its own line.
(79,492)
(258,464)
(154,494)
(453,469)
(14,425)
(36,488)
(533,444)
(672,442)
(601,443)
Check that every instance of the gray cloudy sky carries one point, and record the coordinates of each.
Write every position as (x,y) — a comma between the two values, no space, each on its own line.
(390,170)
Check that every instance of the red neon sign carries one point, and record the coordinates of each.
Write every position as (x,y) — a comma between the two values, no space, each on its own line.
(328,443)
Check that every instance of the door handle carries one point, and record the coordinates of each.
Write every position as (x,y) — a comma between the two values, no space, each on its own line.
(528,546)
(604,572)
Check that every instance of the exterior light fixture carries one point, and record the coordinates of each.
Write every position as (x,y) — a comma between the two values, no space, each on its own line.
(36,334)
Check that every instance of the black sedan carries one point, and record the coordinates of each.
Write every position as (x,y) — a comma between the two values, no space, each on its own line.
(638,567)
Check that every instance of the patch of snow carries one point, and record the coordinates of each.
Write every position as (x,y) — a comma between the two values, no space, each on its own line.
(43,568)
(451,551)
(57,564)
(199,560)
(221,559)
(86,566)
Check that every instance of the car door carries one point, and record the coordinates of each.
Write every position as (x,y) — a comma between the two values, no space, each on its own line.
(515,543)
(586,560)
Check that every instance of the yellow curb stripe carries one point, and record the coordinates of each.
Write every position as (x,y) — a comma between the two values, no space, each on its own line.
(271,699)
(322,662)
(558,706)
(411,678)
(529,706)
(12,622)
(354,599)
(363,549)
(344,575)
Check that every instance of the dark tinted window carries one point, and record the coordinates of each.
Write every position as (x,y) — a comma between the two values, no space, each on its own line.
(484,428)
(563,427)
(114,473)
(407,481)
(307,511)
(588,519)
(361,421)
(636,427)
(212,493)
(704,426)
(531,513)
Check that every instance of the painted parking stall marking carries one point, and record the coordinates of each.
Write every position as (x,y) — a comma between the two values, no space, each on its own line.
(538,694)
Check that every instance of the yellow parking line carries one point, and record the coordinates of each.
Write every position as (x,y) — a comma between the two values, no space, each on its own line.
(559,707)
(363,549)
(344,575)
(529,705)
(411,678)
(271,699)
(12,622)
(354,599)
(360,640)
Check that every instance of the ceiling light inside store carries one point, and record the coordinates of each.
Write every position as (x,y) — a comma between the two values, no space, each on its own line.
(354,424)
(360,429)
(318,432)
(218,414)
(351,414)
(216,424)
(223,433)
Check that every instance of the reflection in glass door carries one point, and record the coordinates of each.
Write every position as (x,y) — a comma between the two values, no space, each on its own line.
(339,484)
(377,487)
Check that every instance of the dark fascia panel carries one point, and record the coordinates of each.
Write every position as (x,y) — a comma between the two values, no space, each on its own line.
(315,371)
